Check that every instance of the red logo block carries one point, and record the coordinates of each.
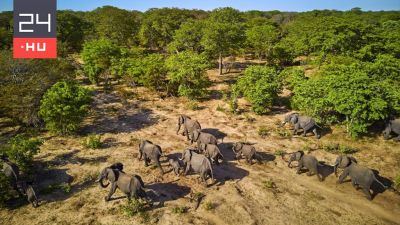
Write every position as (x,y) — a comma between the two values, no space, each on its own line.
(44,48)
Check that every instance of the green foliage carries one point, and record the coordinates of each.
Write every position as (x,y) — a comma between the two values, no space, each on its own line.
(92,141)
(149,71)
(187,74)
(23,83)
(64,106)
(356,92)
(180,209)
(188,37)
(337,148)
(291,76)
(280,152)
(268,184)
(133,207)
(263,131)
(97,56)
(21,149)
(71,30)
(192,105)
(397,180)
(261,39)
(209,206)
(260,85)
(233,105)
(5,189)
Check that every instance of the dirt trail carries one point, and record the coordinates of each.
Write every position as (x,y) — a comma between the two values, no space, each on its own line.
(270,193)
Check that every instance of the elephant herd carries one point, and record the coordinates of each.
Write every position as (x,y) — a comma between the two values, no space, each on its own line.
(206,153)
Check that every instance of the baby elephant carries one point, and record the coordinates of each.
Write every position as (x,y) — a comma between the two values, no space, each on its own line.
(176,166)
(246,150)
(212,152)
(307,161)
(150,152)
(360,176)
(27,189)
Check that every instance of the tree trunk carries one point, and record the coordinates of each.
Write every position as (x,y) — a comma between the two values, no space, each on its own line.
(220,63)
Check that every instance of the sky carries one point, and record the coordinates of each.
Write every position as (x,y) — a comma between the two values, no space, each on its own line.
(243,5)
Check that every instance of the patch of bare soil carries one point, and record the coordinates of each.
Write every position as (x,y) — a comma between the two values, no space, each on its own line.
(267,193)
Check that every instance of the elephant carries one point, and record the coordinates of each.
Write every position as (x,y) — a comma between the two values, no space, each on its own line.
(198,163)
(189,125)
(30,193)
(202,137)
(393,126)
(360,177)
(342,162)
(212,152)
(248,151)
(302,122)
(307,161)
(176,166)
(132,186)
(117,166)
(11,171)
(150,152)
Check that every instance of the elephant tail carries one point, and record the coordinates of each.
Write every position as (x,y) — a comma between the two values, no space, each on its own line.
(140,180)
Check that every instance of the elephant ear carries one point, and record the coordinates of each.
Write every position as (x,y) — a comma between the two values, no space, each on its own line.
(298,155)
(239,146)
(294,118)
(195,135)
(111,176)
(344,162)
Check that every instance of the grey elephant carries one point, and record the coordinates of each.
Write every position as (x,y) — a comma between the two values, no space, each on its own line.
(202,138)
(198,163)
(342,162)
(132,186)
(306,123)
(11,171)
(248,151)
(28,190)
(360,176)
(117,166)
(150,152)
(188,124)
(176,166)
(307,161)
(393,126)
(212,152)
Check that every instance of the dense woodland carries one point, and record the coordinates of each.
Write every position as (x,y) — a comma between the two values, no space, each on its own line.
(354,57)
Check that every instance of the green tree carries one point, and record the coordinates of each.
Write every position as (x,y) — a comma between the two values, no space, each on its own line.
(64,106)
(188,37)
(223,33)
(97,56)
(261,39)
(260,85)
(187,74)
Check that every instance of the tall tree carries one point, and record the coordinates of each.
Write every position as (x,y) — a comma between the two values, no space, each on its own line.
(223,33)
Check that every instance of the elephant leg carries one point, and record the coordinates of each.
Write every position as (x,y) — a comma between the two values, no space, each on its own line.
(299,167)
(304,132)
(397,138)
(159,166)
(187,135)
(367,193)
(318,136)
(112,191)
(186,169)
(216,160)
(146,162)
(354,184)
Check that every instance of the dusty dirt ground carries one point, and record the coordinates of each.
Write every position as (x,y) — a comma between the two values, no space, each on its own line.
(268,193)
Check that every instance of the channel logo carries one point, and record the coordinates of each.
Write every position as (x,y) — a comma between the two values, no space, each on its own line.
(35,34)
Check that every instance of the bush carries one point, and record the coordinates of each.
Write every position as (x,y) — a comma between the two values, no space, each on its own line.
(21,150)
(337,148)
(5,190)
(180,209)
(92,141)
(263,131)
(233,105)
(397,180)
(209,206)
(260,85)
(97,56)
(192,105)
(64,106)
(134,207)
(187,74)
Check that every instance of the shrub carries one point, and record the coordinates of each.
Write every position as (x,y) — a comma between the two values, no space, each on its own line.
(180,209)
(64,106)
(21,150)
(209,206)
(97,56)
(92,141)
(260,85)
(337,148)
(5,190)
(263,131)
(187,74)
(268,184)
(397,180)
(233,105)
(133,207)
(192,105)
(279,152)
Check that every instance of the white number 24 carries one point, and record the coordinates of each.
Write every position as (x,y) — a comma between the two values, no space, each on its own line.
(31,22)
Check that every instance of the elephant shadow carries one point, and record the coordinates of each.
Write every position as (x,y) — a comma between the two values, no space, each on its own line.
(228,171)
(267,157)
(72,158)
(217,133)
(376,187)
(226,150)
(163,192)
(325,170)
